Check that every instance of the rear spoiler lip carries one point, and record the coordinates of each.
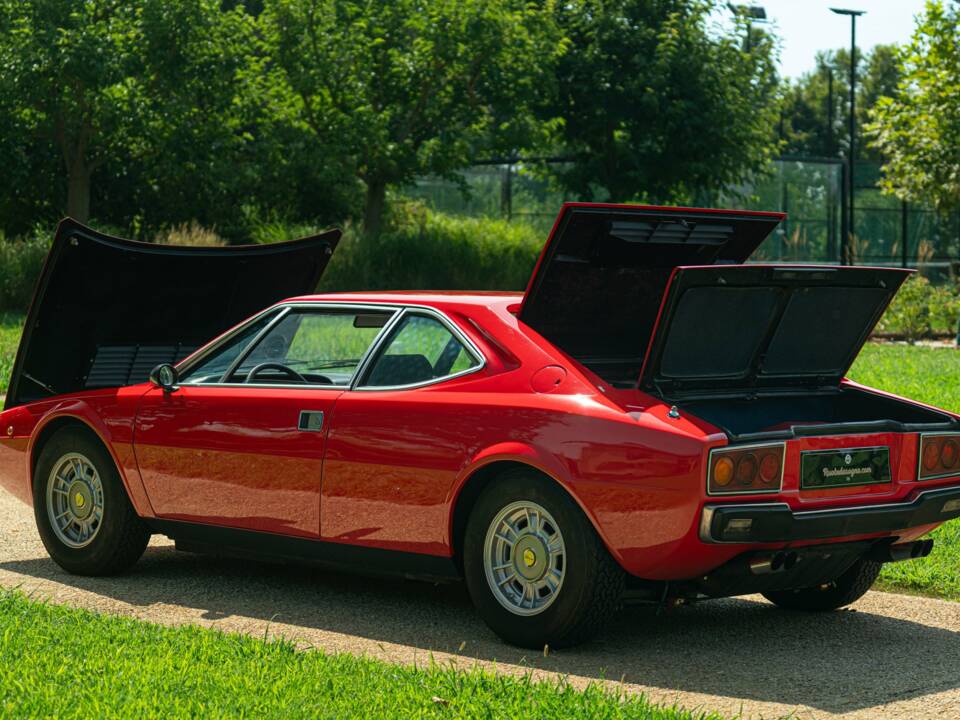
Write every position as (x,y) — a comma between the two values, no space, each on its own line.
(805,267)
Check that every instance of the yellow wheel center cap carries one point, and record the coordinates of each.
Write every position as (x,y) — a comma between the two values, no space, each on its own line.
(78,499)
(529,557)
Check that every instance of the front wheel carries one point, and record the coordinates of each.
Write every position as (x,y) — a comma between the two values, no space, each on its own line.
(83,514)
(846,589)
(535,568)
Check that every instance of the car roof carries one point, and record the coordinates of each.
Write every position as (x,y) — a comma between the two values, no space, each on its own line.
(439,299)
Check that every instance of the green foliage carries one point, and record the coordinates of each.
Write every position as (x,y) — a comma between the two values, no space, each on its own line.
(806,128)
(919,130)
(20,263)
(148,114)
(11,326)
(422,250)
(407,88)
(921,309)
(655,105)
(68,663)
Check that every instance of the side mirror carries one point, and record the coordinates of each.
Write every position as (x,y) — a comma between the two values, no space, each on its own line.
(165,376)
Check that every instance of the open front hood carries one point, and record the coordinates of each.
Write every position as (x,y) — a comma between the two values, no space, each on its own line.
(756,327)
(106,310)
(598,285)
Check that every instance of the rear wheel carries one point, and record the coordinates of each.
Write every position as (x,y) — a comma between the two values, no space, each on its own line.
(847,588)
(83,514)
(535,568)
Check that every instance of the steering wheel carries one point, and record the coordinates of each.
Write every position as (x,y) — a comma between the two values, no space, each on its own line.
(275,366)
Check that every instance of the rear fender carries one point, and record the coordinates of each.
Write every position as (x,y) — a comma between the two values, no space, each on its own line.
(533,457)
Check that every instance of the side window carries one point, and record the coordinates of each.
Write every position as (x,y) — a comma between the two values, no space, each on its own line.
(212,368)
(420,349)
(319,347)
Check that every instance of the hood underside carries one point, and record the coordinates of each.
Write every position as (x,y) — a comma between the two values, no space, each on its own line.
(755,327)
(596,290)
(106,311)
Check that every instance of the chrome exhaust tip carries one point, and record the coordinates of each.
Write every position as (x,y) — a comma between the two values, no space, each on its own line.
(778,562)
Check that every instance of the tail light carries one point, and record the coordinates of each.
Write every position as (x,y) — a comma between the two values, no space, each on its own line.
(746,470)
(939,456)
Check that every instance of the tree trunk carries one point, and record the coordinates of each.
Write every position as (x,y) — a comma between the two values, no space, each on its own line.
(373,211)
(78,191)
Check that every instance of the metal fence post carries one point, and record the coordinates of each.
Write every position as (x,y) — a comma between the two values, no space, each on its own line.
(506,192)
(903,234)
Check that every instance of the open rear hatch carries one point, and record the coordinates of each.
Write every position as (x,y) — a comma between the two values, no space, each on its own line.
(761,350)
(106,310)
(598,284)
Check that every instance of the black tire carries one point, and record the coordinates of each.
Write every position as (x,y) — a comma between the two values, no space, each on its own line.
(846,589)
(121,536)
(592,585)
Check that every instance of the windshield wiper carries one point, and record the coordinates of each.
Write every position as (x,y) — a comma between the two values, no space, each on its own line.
(334,364)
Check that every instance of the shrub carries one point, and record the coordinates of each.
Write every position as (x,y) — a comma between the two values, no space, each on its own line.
(191,233)
(424,250)
(920,310)
(20,262)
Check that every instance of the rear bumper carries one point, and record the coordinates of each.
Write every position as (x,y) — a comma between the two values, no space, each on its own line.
(776,522)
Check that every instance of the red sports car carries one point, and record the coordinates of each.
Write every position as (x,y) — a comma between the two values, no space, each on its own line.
(652,420)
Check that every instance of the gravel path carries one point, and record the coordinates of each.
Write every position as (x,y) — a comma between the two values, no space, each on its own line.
(891,656)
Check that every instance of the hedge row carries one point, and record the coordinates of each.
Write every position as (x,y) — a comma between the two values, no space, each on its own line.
(427,251)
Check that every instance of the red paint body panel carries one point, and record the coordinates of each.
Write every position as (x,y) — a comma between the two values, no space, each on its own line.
(234,456)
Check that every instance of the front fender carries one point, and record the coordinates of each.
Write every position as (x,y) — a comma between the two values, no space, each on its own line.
(113,425)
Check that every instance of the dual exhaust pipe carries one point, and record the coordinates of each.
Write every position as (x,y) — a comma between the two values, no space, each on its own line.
(786,560)
(902,551)
(778,562)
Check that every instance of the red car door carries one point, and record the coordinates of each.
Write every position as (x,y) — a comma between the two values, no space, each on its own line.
(241,442)
(399,439)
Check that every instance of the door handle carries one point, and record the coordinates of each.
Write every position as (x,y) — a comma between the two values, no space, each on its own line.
(311,420)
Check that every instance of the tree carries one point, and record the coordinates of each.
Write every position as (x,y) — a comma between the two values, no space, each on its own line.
(407,88)
(138,102)
(656,104)
(805,126)
(66,64)
(918,130)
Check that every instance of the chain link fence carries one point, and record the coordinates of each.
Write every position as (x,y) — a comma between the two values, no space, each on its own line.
(809,190)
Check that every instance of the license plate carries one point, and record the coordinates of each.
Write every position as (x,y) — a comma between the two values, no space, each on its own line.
(844,468)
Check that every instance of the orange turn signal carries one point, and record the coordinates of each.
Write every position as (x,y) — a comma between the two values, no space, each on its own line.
(939,456)
(745,470)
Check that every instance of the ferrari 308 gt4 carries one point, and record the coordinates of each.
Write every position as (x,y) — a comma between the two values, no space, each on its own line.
(652,420)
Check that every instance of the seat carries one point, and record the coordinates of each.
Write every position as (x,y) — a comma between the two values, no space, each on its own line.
(400,370)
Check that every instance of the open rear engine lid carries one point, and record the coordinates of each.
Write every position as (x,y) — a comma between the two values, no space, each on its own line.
(598,284)
(752,327)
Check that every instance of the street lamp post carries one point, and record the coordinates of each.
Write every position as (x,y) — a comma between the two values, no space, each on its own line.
(753,14)
(851,228)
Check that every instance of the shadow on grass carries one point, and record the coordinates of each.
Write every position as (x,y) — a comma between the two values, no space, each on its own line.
(837,662)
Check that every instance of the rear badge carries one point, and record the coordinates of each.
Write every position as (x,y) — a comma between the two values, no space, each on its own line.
(844,468)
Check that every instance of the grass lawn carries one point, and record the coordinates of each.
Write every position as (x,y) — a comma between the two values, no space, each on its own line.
(67,663)
(930,375)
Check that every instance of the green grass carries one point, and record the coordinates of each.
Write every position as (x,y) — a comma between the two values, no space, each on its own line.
(68,663)
(930,375)
(11,324)
(926,374)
